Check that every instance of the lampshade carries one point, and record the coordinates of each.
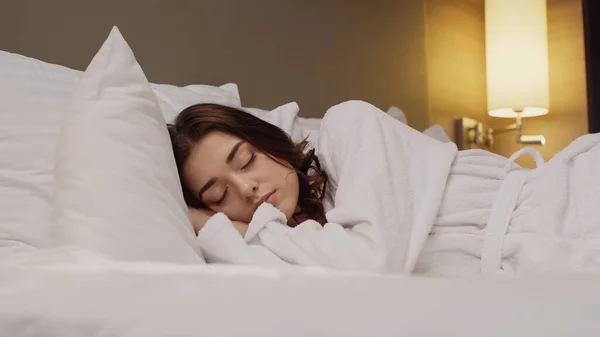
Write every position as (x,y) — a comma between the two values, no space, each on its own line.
(516,41)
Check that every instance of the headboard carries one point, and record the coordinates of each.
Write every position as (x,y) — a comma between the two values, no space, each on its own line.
(317,53)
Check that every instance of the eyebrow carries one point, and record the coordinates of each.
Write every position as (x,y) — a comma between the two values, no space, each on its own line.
(233,151)
(228,160)
(206,187)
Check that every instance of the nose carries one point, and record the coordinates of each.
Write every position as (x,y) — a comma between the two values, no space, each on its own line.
(247,187)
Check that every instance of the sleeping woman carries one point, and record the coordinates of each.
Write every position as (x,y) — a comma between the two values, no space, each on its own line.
(376,195)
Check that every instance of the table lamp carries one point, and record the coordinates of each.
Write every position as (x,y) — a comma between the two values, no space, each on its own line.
(516,43)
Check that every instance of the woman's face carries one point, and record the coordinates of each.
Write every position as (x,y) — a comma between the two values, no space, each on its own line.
(231,176)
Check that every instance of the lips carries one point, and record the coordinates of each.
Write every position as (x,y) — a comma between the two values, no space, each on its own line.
(272,198)
(269,197)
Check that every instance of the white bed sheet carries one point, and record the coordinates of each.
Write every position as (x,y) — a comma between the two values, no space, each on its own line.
(46,297)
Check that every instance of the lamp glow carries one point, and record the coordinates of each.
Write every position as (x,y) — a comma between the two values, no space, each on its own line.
(517,58)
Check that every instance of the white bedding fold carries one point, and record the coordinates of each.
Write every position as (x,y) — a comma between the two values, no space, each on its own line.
(89,297)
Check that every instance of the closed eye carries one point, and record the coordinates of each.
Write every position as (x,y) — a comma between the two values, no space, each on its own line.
(220,201)
(250,161)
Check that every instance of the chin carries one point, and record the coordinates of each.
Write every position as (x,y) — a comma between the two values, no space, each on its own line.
(287,212)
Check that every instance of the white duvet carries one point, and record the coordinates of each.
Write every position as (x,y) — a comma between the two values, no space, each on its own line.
(76,293)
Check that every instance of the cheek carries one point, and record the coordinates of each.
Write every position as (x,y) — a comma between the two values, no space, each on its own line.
(275,173)
(237,211)
(291,179)
(285,178)
(292,191)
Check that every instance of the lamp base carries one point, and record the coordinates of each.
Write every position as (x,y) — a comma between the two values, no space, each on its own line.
(469,133)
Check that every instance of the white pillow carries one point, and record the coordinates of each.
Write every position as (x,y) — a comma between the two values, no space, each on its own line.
(300,128)
(437,132)
(286,118)
(23,77)
(33,97)
(173,99)
(117,190)
(310,129)
(398,114)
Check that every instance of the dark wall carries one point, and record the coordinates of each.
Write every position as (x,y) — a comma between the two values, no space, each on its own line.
(317,53)
(591,13)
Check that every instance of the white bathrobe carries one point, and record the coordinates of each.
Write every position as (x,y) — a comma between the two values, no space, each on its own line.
(404,202)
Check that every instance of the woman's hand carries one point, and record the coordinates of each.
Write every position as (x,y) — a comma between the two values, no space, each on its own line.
(199,217)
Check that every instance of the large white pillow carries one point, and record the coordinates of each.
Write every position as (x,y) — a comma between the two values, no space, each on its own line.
(33,97)
(117,190)
(23,77)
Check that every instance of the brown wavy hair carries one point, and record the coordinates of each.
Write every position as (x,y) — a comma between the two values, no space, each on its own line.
(193,123)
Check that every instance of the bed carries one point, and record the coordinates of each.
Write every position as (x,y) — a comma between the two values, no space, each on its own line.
(144,299)
(85,251)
